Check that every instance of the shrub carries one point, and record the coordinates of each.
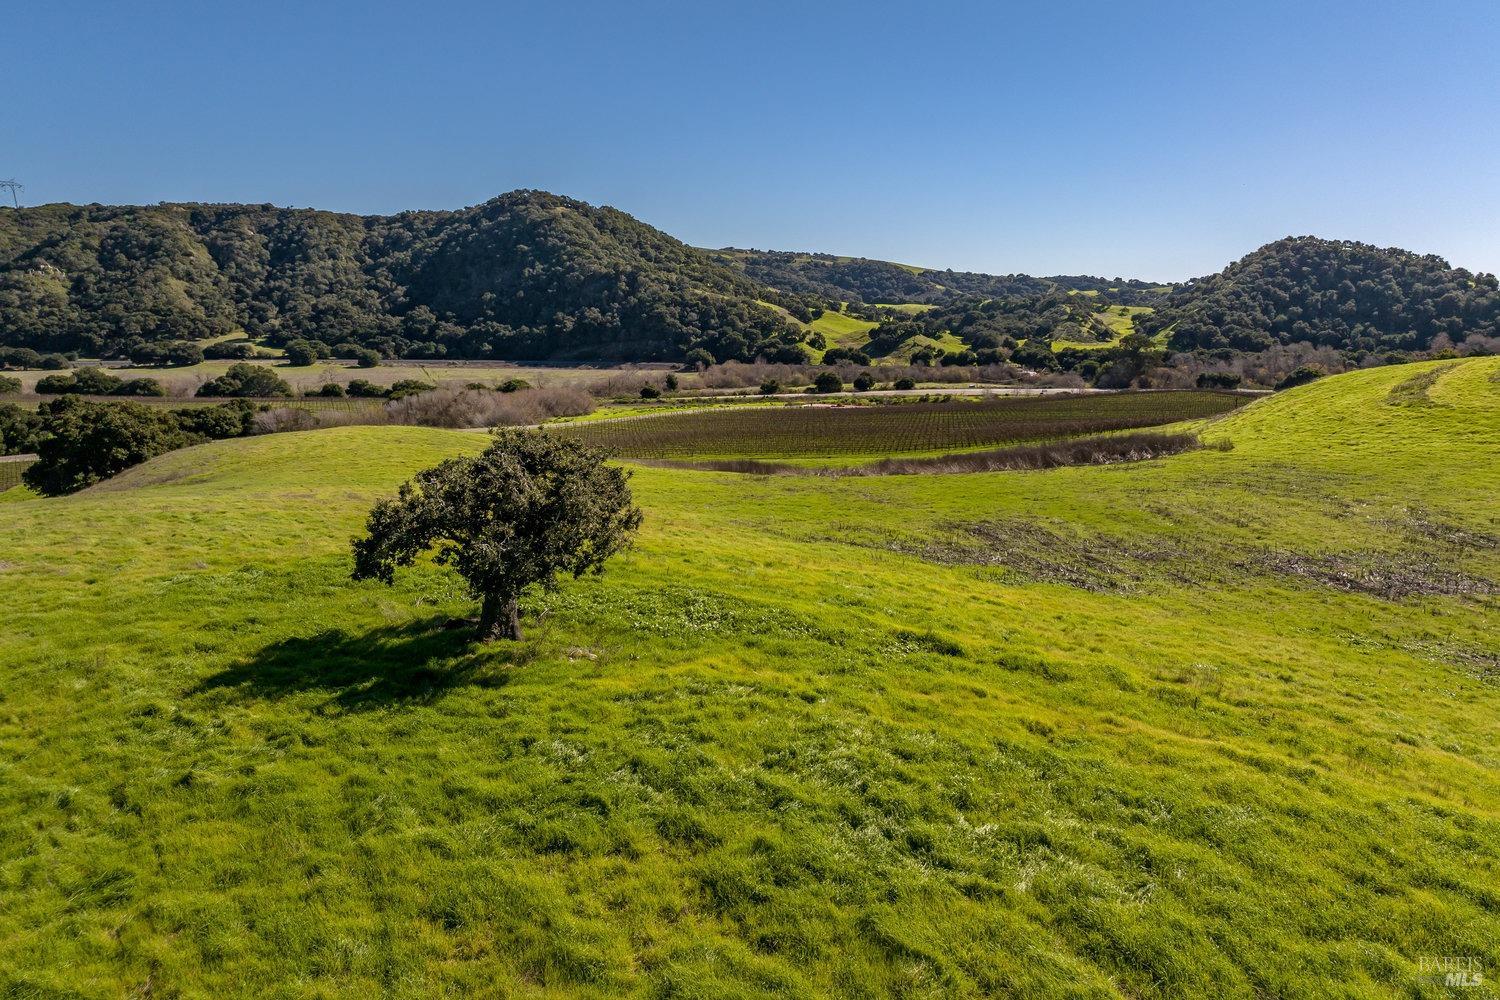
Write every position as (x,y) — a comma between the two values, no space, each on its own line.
(836,355)
(83,442)
(19,357)
(245,379)
(1219,380)
(514,384)
(8,384)
(226,420)
(282,419)
(770,387)
(366,389)
(230,350)
(140,387)
(828,382)
(300,353)
(863,382)
(19,428)
(53,362)
(1302,376)
(671,382)
(329,389)
(649,391)
(448,407)
(905,384)
(409,387)
(366,358)
(697,358)
(84,381)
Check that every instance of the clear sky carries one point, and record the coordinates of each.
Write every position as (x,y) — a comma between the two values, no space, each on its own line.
(1155,140)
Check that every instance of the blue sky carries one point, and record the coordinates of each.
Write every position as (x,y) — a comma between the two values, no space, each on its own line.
(1159,141)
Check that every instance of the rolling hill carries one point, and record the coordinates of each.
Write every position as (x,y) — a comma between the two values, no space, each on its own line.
(860,279)
(1334,293)
(525,275)
(1219,724)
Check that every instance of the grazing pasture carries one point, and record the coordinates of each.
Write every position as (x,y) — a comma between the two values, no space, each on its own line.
(895,428)
(1216,725)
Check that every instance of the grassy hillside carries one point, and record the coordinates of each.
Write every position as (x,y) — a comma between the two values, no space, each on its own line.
(1221,724)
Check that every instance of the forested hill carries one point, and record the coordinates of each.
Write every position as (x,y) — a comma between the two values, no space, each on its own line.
(860,279)
(1346,295)
(525,275)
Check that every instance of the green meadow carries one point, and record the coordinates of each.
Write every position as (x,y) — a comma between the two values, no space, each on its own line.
(1221,724)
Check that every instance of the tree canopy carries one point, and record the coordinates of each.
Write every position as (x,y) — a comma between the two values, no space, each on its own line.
(525,275)
(531,507)
(1330,293)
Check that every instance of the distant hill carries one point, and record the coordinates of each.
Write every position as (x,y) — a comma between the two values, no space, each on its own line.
(525,275)
(860,279)
(1333,293)
(536,276)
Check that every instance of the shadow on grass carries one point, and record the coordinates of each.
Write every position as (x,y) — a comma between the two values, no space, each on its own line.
(412,663)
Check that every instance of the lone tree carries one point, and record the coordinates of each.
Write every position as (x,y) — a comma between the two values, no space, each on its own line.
(531,507)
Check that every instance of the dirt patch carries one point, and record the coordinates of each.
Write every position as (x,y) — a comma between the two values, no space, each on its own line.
(1391,576)
(1427,563)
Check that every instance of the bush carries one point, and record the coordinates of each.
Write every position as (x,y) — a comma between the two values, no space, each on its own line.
(366,389)
(83,442)
(828,382)
(225,420)
(8,384)
(53,362)
(1218,380)
(300,353)
(246,380)
(329,389)
(836,355)
(514,384)
(697,358)
(409,387)
(905,384)
(649,391)
(140,387)
(19,428)
(230,350)
(770,387)
(863,382)
(366,358)
(19,357)
(84,381)
(1302,376)
(671,383)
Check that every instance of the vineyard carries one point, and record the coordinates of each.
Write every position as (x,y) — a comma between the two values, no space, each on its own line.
(10,472)
(814,430)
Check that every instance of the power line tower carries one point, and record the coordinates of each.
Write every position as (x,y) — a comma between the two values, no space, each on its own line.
(13,186)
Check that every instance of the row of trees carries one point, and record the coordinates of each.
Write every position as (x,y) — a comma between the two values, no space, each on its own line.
(79,442)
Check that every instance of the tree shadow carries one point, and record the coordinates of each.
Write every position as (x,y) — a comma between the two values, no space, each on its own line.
(412,663)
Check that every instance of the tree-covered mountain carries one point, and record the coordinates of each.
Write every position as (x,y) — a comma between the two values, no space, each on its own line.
(526,275)
(859,279)
(1330,293)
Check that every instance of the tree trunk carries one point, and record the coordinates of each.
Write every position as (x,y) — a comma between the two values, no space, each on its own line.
(499,618)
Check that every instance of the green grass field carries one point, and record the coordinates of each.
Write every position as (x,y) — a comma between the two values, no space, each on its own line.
(1121,323)
(1222,724)
(804,431)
